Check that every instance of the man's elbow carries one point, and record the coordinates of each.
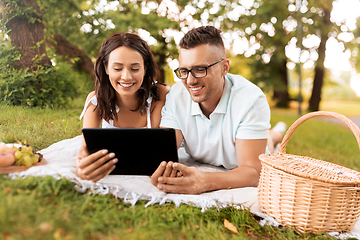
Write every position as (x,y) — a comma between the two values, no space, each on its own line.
(251,178)
(254,179)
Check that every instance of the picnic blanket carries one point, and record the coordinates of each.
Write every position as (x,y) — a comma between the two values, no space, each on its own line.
(61,162)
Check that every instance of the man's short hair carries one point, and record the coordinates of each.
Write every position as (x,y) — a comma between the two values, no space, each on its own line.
(202,35)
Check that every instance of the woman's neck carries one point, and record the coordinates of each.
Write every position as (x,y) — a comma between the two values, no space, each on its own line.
(127,102)
(126,116)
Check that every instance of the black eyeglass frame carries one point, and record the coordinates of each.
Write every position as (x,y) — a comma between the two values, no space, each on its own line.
(177,71)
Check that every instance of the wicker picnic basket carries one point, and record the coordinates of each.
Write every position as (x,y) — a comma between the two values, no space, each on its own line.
(308,194)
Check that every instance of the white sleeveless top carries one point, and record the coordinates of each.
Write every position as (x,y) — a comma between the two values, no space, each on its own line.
(110,124)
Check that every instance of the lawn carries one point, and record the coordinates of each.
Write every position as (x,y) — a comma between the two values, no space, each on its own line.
(45,208)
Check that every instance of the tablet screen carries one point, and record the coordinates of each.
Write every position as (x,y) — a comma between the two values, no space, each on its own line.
(139,150)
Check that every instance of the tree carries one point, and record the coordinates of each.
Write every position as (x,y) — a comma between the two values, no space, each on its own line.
(24,19)
(321,26)
(269,27)
(269,62)
(355,45)
(316,20)
(267,34)
(323,31)
(87,23)
(70,51)
(29,78)
(154,22)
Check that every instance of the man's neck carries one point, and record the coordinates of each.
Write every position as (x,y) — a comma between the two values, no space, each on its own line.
(210,105)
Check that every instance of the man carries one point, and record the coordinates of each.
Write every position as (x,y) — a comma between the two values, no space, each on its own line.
(223,119)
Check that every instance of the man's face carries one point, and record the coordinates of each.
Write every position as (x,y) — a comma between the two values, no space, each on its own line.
(208,88)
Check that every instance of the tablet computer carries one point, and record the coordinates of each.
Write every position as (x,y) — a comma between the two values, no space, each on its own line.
(139,150)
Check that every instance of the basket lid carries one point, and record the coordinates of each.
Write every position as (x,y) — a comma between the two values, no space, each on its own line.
(312,169)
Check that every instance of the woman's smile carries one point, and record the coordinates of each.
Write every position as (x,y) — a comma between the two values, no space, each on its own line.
(126,85)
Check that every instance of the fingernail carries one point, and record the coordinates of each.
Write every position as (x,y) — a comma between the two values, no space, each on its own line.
(175,164)
(169,164)
(115,160)
(104,151)
(163,164)
(112,155)
(159,186)
(160,179)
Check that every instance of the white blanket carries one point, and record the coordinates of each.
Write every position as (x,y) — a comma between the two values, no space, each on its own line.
(61,162)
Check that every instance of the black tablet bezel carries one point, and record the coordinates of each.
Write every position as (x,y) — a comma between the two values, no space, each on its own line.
(139,150)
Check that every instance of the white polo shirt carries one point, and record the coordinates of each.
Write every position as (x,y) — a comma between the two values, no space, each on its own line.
(243,112)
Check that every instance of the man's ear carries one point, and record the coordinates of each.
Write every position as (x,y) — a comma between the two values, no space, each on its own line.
(226,67)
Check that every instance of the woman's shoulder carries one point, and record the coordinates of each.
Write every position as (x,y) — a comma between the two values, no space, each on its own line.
(90,95)
(91,98)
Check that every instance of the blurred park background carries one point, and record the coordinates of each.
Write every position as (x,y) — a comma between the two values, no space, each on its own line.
(47,52)
(47,48)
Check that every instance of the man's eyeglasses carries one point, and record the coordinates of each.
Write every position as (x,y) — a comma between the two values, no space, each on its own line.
(196,72)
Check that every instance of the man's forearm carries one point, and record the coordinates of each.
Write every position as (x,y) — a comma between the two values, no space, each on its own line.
(236,178)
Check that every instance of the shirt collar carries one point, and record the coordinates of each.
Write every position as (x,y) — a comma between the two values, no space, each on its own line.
(223,103)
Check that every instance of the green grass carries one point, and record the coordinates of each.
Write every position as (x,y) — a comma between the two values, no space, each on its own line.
(45,208)
(345,107)
(40,127)
(322,140)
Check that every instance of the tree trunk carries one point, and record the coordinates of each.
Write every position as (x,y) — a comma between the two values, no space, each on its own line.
(68,50)
(281,94)
(315,98)
(161,58)
(27,37)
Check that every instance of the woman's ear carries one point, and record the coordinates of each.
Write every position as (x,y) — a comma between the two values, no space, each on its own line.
(106,69)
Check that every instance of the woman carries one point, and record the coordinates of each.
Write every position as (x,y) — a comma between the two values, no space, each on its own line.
(126,95)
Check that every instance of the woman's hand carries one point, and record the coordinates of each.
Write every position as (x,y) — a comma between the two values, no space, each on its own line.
(95,166)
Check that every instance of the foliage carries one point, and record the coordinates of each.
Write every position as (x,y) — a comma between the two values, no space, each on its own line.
(239,65)
(269,31)
(45,87)
(354,44)
(68,18)
(17,8)
(270,28)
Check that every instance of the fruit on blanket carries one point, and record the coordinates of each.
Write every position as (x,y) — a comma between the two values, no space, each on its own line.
(26,155)
(22,154)
(6,149)
(6,159)
(6,155)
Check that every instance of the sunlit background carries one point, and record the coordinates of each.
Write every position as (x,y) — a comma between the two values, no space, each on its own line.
(268,42)
(337,57)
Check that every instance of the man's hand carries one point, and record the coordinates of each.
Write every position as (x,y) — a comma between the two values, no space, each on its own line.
(165,170)
(192,181)
(95,166)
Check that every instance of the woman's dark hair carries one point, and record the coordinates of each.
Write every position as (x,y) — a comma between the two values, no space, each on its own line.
(105,93)
(202,35)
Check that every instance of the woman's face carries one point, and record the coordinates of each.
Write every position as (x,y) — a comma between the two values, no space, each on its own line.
(126,70)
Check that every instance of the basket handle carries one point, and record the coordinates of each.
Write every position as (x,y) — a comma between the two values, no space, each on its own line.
(353,127)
